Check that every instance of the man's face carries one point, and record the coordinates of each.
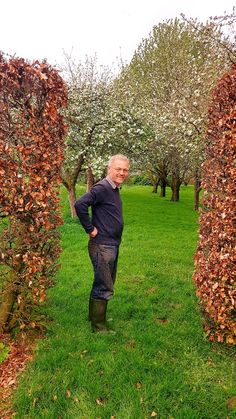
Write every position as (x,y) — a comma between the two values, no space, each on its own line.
(118,171)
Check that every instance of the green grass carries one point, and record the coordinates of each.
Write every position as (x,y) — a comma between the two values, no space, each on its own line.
(159,360)
(4,350)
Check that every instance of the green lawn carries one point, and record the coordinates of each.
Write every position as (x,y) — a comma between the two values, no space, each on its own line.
(159,363)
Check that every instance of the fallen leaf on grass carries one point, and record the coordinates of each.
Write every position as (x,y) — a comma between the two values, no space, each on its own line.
(162,320)
(131,344)
(153,414)
(138,385)
(35,401)
(231,403)
(76,400)
(68,393)
(55,397)
(100,402)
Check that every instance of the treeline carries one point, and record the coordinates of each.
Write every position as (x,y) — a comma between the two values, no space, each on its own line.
(154,110)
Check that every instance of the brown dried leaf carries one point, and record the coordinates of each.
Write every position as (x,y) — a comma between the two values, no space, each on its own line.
(231,403)
(35,401)
(162,320)
(100,402)
(138,385)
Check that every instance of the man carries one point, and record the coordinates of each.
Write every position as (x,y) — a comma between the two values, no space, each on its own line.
(104,230)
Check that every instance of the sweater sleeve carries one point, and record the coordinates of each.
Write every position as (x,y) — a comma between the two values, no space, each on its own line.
(82,207)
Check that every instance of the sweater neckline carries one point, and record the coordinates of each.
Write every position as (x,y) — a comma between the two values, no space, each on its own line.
(109,180)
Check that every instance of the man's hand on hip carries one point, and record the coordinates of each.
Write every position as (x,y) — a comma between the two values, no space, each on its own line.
(93,233)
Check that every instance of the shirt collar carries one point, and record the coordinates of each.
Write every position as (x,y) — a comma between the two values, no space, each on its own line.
(113,185)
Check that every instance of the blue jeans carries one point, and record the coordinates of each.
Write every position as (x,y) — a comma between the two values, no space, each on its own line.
(104,259)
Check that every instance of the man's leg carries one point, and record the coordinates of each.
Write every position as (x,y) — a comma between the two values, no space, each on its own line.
(104,259)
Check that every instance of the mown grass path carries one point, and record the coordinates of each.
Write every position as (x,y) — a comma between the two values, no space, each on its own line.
(159,364)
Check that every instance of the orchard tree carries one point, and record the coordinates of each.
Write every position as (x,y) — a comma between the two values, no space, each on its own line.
(218,37)
(31,149)
(171,76)
(87,93)
(100,124)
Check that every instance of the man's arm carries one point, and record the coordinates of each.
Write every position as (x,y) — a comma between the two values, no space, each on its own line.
(82,210)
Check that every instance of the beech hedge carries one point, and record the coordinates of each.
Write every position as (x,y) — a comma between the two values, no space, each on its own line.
(32,130)
(215,256)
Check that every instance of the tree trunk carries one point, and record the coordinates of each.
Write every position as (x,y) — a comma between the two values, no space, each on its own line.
(197,189)
(163,188)
(13,287)
(90,178)
(155,186)
(72,199)
(8,299)
(175,187)
(69,180)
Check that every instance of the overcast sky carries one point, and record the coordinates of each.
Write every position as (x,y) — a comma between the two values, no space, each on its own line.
(110,28)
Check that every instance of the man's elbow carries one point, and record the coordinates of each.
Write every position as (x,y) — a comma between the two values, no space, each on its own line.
(77,207)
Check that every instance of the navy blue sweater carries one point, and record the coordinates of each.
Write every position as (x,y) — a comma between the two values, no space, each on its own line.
(106,213)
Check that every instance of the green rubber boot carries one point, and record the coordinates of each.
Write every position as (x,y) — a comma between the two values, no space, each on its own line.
(97,315)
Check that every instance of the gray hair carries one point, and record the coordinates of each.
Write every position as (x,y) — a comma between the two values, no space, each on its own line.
(117,157)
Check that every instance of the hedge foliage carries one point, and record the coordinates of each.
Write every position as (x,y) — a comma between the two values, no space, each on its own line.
(215,256)
(31,150)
